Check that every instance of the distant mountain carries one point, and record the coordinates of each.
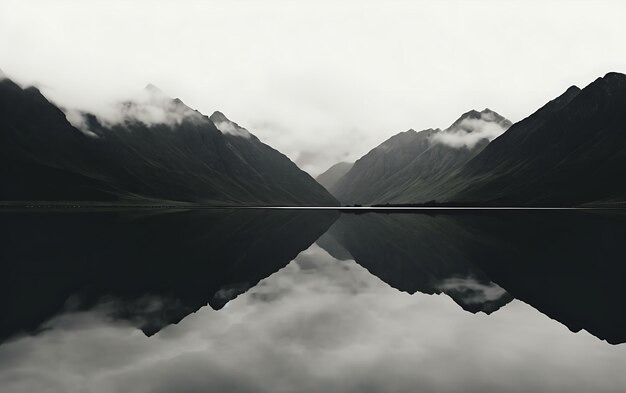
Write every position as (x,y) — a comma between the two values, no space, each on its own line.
(333,174)
(569,152)
(159,149)
(403,168)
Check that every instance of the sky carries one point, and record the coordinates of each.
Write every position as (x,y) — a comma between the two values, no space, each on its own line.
(321,81)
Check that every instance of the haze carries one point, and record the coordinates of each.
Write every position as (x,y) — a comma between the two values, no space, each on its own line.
(321,81)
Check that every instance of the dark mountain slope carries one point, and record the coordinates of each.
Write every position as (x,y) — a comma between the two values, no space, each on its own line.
(571,151)
(450,149)
(361,184)
(177,154)
(405,168)
(41,155)
(293,182)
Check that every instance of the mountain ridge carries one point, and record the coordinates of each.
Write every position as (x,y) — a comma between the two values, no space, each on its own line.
(412,159)
(160,149)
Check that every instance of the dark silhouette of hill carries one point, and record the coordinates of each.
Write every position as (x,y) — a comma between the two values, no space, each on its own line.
(569,152)
(179,156)
(405,167)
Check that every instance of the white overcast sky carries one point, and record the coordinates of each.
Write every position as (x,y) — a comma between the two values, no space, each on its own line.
(322,81)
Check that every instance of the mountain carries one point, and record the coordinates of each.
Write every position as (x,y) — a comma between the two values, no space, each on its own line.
(569,152)
(333,174)
(362,183)
(157,149)
(403,168)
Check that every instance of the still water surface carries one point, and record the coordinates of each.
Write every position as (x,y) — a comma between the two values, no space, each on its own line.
(310,301)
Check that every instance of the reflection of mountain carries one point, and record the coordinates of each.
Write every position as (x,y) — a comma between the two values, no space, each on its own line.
(412,253)
(158,268)
(567,264)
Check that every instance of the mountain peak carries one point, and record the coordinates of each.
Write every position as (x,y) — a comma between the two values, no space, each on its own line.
(472,128)
(227,126)
(218,116)
(486,115)
(611,83)
(471,114)
(153,93)
(615,75)
(152,89)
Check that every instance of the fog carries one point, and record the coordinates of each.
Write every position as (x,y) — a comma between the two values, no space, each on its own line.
(470,131)
(321,81)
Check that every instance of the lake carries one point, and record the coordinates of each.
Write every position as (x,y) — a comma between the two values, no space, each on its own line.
(269,300)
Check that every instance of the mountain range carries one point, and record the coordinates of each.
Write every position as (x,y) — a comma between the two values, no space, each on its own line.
(158,149)
(410,161)
(570,152)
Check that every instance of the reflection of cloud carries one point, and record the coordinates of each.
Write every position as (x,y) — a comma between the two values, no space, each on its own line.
(317,325)
(227,294)
(474,292)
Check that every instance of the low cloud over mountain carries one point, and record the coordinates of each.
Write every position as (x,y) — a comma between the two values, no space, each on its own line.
(472,128)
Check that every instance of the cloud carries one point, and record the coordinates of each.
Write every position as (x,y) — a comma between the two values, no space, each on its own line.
(78,120)
(228,127)
(470,131)
(151,106)
(335,82)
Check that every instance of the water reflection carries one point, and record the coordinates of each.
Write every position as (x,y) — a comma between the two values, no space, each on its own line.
(416,253)
(158,267)
(357,311)
(567,264)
